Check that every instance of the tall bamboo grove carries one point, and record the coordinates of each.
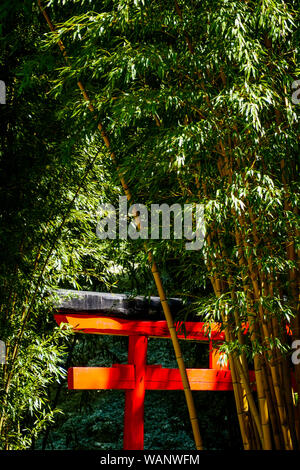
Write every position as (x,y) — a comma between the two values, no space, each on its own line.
(197,98)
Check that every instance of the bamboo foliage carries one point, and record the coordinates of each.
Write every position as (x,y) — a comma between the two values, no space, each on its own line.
(153,265)
(279,380)
(196,101)
(42,193)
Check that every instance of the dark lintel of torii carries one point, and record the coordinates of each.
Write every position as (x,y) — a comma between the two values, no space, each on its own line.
(118,305)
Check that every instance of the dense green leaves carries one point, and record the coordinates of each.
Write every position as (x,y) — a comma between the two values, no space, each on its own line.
(196,100)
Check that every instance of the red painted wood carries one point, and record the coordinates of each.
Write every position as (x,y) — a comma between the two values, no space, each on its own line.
(150,378)
(96,324)
(216,359)
(134,399)
(119,377)
(199,379)
(136,377)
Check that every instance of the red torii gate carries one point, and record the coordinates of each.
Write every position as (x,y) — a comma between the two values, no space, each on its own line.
(136,377)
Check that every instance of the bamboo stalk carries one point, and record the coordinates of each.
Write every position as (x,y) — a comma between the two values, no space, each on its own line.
(274,372)
(155,272)
(237,386)
(267,444)
(257,276)
(264,433)
(239,333)
(254,276)
(240,393)
(273,369)
(237,389)
(226,170)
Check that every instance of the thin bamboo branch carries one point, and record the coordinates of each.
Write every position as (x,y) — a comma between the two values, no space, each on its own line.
(27,311)
(157,279)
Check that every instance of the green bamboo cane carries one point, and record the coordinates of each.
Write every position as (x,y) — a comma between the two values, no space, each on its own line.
(154,269)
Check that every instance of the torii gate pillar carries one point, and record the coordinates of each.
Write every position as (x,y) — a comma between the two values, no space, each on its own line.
(134,399)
